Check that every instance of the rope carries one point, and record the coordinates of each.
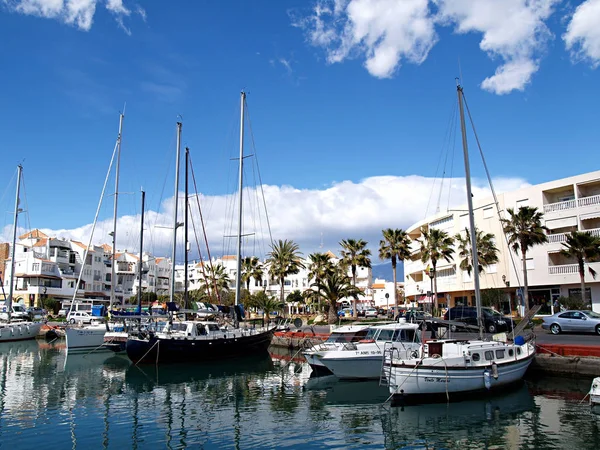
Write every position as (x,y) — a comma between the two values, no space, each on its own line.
(155,344)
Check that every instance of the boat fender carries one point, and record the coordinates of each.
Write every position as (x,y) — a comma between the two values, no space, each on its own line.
(487,379)
(414,354)
(495,371)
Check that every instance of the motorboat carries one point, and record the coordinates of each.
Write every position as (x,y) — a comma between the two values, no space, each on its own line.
(595,395)
(340,338)
(363,360)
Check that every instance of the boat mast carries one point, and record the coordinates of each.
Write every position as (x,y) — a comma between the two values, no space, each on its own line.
(14,243)
(185,232)
(174,252)
(139,308)
(238,278)
(474,255)
(116,202)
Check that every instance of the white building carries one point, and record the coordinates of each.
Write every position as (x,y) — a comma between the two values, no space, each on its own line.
(567,204)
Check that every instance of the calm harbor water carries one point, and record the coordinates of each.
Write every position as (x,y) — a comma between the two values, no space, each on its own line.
(99,401)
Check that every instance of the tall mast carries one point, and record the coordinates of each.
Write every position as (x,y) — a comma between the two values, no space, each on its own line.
(14,243)
(141,271)
(238,278)
(114,231)
(474,256)
(174,252)
(185,232)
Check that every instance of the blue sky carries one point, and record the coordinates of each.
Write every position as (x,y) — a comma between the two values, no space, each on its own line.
(349,102)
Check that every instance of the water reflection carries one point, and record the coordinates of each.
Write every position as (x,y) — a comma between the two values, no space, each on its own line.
(102,401)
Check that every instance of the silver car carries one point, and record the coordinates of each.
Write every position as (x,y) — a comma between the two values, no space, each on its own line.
(574,320)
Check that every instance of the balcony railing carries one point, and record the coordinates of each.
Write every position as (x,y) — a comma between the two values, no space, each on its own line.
(562,237)
(588,201)
(564,269)
(560,206)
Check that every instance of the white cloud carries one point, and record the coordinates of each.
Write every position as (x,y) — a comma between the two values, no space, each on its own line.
(514,30)
(340,211)
(582,38)
(78,13)
(384,32)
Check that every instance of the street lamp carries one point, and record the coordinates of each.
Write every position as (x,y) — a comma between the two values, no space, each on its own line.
(506,283)
(430,273)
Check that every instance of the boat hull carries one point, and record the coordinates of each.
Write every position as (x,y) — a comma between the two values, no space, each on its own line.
(85,339)
(19,331)
(428,382)
(161,349)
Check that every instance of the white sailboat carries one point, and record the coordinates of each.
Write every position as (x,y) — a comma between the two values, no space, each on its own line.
(86,338)
(12,329)
(454,368)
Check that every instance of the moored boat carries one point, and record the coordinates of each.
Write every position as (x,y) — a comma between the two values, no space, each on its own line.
(339,338)
(595,395)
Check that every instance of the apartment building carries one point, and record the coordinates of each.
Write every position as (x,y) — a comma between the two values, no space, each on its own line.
(50,267)
(568,204)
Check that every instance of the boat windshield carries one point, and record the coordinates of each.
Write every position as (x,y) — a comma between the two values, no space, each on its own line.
(407,336)
(341,338)
(18,308)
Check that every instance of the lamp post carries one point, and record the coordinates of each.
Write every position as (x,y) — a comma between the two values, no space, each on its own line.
(430,273)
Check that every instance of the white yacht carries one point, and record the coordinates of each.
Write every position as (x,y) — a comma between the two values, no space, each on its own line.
(339,338)
(364,359)
(595,395)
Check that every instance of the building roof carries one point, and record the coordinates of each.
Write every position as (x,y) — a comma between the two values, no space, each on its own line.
(41,243)
(107,248)
(33,234)
(229,258)
(378,286)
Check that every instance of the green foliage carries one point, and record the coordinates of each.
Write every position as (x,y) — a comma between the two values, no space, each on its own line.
(395,246)
(334,287)
(283,260)
(487,252)
(574,302)
(295,296)
(493,297)
(355,254)
(51,305)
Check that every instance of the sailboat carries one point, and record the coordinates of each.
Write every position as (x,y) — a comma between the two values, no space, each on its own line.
(13,329)
(454,368)
(196,341)
(85,338)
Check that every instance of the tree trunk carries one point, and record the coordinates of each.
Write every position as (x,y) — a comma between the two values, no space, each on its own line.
(281,298)
(434,304)
(525,286)
(582,278)
(395,285)
(354,311)
(332,315)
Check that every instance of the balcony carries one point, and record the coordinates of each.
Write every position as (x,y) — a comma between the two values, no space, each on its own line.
(565,269)
(588,201)
(562,237)
(560,206)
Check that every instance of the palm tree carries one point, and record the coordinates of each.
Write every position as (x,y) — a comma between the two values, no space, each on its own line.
(585,248)
(355,254)
(251,268)
(333,287)
(524,230)
(487,252)
(320,264)
(267,303)
(435,246)
(284,260)
(217,281)
(394,246)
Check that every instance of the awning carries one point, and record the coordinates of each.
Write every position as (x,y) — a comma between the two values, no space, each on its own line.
(424,299)
(49,277)
(562,223)
(594,215)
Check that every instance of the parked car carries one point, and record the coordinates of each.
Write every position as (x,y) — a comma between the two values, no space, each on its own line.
(18,312)
(346,312)
(371,312)
(62,312)
(573,320)
(493,321)
(36,313)
(414,315)
(79,317)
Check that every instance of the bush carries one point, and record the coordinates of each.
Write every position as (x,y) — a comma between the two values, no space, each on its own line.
(573,302)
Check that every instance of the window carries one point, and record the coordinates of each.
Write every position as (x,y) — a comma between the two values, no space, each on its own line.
(521,203)
(518,351)
(488,212)
(489,355)
(511,352)
(529,263)
(500,354)
(567,315)
(491,268)
(476,357)
(385,335)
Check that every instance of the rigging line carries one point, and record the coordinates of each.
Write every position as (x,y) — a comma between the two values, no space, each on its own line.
(487,172)
(448,135)
(218,294)
(9,186)
(87,248)
(26,202)
(258,170)
(454,134)
(437,168)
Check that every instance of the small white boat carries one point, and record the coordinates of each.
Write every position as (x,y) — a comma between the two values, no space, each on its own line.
(339,338)
(19,331)
(363,360)
(595,394)
(453,368)
(86,338)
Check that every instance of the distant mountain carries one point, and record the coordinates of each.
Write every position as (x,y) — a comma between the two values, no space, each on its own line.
(384,271)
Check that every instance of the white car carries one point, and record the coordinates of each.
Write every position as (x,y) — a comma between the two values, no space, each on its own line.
(371,312)
(79,317)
